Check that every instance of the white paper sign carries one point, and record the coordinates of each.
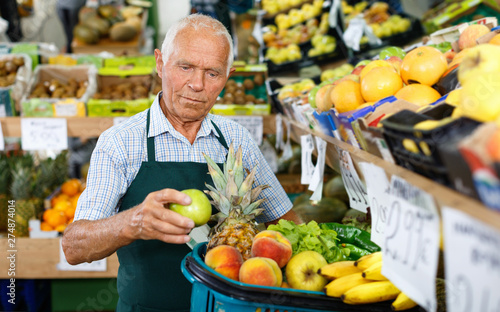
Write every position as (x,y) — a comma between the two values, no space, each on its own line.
(316,184)
(94,266)
(2,142)
(279,132)
(307,166)
(358,198)
(254,124)
(44,134)
(472,263)
(411,246)
(377,187)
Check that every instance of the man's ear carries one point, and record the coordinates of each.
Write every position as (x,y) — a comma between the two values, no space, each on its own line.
(231,71)
(159,62)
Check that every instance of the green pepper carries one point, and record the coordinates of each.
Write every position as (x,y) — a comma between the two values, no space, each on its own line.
(352,235)
(354,252)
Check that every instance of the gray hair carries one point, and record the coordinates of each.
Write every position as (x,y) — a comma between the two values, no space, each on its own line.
(196,21)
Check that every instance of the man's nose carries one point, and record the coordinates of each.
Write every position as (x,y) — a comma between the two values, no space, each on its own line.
(197,80)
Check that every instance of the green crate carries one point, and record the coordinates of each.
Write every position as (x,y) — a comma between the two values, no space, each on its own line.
(116,108)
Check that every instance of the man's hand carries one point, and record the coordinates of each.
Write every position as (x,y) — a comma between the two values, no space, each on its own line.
(153,220)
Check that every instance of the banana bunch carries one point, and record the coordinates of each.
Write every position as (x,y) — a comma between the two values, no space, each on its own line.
(362,282)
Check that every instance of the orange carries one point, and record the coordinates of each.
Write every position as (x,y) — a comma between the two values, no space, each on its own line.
(379,83)
(70,212)
(54,217)
(457,58)
(62,205)
(58,198)
(346,96)
(60,228)
(373,65)
(424,65)
(495,40)
(44,226)
(74,199)
(71,187)
(418,94)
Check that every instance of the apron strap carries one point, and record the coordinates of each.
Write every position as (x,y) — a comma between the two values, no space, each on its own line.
(151,140)
(220,138)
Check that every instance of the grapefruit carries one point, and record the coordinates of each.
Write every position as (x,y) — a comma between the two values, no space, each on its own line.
(424,65)
(418,94)
(346,96)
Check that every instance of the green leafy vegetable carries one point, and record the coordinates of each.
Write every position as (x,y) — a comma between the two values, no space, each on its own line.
(310,237)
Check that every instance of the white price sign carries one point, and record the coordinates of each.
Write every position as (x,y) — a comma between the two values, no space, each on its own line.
(307,166)
(358,198)
(44,134)
(317,177)
(411,245)
(378,189)
(254,124)
(472,263)
(2,142)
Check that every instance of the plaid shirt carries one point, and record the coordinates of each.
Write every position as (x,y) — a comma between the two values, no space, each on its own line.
(121,150)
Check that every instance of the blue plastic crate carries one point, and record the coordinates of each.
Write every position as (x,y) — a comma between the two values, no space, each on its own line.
(212,292)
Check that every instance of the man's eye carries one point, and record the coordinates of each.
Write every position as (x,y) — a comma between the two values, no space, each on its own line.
(184,67)
(212,75)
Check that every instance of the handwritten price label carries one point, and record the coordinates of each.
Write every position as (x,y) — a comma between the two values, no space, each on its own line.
(307,147)
(378,189)
(472,263)
(44,134)
(411,245)
(358,197)
(254,124)
(316,184)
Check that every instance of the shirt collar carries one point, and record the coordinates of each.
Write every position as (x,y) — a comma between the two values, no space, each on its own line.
(159,123)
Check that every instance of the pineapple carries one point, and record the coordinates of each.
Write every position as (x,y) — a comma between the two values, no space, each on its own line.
(236,201)
(21,191)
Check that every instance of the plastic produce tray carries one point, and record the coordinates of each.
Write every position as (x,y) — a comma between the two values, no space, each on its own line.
(214,292)
(273,88)
(428,160)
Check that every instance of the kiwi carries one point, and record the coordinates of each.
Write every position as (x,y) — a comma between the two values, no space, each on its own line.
(248,84)
(239,100)
(250,98)
(239,92)
(228,97)
(258,80)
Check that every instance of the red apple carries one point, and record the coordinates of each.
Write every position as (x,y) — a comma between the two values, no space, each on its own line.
(468,37)
(357,70)
(396,62)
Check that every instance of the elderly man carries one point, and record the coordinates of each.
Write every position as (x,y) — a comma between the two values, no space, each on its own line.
(143,163)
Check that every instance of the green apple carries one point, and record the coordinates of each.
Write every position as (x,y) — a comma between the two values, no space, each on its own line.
(312,96)
(363,62)
(199,210)
(391,51)
(302,271)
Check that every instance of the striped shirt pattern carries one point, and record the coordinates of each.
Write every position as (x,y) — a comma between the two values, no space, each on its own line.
(121,150)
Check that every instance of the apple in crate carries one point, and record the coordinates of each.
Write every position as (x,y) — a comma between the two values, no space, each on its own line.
(302,271)
(261,271)
(273,245)
(225,260)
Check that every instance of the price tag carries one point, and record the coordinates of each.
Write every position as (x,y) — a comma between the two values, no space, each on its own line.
(287,148)
(307,147)
(2,142)
(316,184)
(119,120)
(358,198)
(254,124)
(279,132)
(472,263)
(378,189)
(94,266)
(44,134)
(411,246)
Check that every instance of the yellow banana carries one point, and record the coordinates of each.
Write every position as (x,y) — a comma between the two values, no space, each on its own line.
(402,302)
(338,269)
(365,262)
(371,293)
(374,272)
(342,284)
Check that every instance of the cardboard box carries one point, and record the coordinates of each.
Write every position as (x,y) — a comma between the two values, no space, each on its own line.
(448,14)
(451,34)
(245,109)
(51,107)
(370,137)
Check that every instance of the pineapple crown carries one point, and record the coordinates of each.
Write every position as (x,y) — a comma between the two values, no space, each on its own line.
(233,194)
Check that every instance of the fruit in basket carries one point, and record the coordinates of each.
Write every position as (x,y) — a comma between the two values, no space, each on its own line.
(122,31)
(424,65)
(54,217)
(261,271)
(373,65)
(340,285)
(71,187)
(480,97)
(371,293)
(469,36)
(226,260)
(379,83)
(346,96)
(199,210)
(396,62)
(323,100)
(477,61)
(402,302)
(338,269)
(273,245)
(391,51)
(418,94)
(237,202)
(302,271)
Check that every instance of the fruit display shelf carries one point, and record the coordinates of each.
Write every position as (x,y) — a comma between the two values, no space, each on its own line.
(215,292)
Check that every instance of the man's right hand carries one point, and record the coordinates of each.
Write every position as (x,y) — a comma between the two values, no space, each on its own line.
(153,220)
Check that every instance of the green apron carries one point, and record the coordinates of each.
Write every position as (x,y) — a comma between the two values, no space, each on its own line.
(149,276)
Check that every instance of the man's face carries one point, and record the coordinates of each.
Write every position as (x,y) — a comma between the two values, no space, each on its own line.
(194,74)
